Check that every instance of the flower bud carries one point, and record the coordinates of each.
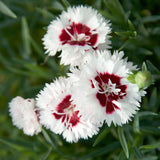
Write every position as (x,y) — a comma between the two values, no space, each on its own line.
(143,79)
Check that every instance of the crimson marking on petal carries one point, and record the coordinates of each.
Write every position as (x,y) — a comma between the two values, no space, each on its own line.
(75,119)
(64,37)
(95,48)
(57,116)
(72,35)
(80,43)
(92,85)
(102,99)
(106,99)
(93,39)
(61,106)
(64,104)
(111,107)
(71,119)
(37,115)
(81,28)
(98,79)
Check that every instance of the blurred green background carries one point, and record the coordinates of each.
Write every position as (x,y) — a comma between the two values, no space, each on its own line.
(136,30)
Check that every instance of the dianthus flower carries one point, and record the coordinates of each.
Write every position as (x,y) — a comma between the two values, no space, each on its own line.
(102,91)
(24,115)
(57,112)
(78,30)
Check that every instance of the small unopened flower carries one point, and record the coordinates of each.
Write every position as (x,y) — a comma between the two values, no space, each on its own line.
(102,91)
(24,115)
(77,31)
(143,79)
(57,112)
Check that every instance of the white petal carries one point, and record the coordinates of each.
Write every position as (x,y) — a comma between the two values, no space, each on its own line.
(49,98)
(24,116)
(85,89)
(74,54)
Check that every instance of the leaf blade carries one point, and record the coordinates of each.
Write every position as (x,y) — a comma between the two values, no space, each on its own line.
(101,136)
(123,141)
(5,10)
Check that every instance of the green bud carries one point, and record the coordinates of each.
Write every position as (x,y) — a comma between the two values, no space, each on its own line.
(143,79)
(131,78)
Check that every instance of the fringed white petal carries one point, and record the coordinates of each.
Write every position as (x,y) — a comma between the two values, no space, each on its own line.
(58,114)
(24,115)
(91,32)
(124,97)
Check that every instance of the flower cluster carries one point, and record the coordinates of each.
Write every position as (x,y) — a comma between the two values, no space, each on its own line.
(97,89)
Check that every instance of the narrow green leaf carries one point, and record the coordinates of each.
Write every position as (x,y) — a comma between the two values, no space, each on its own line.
(45,13)
(109,16)
(57,140)
(49,140)
(57,7)
(141,26)
(152,18)
(118,5)
(39,71)
(124,45)
(101,136)
(150,158)
(123,141)
(17,144)
(152,146)
(32,70)
(40,52)
(144,67)
(136,124)
(37,48)
(138,153)
(131,26)
(116,12)
(121,156)
(47,137)
(130,34)
(101,151)
(26,39)
(146,113)
(155,31)
(150,130)
(5,10)
(20,71)
(152,68)
(65,3)
(45,156)
(129,135)
(145,51)
(8,47)
(153,99)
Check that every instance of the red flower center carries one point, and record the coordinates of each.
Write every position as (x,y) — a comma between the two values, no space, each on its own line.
(65,110)
(110,89)
(78,34)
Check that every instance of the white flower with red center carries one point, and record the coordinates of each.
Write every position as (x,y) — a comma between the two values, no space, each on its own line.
(102,91)
(24,115)
(77,31)
(57,112)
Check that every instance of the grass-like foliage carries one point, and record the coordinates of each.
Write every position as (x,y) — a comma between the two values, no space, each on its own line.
(23,72)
